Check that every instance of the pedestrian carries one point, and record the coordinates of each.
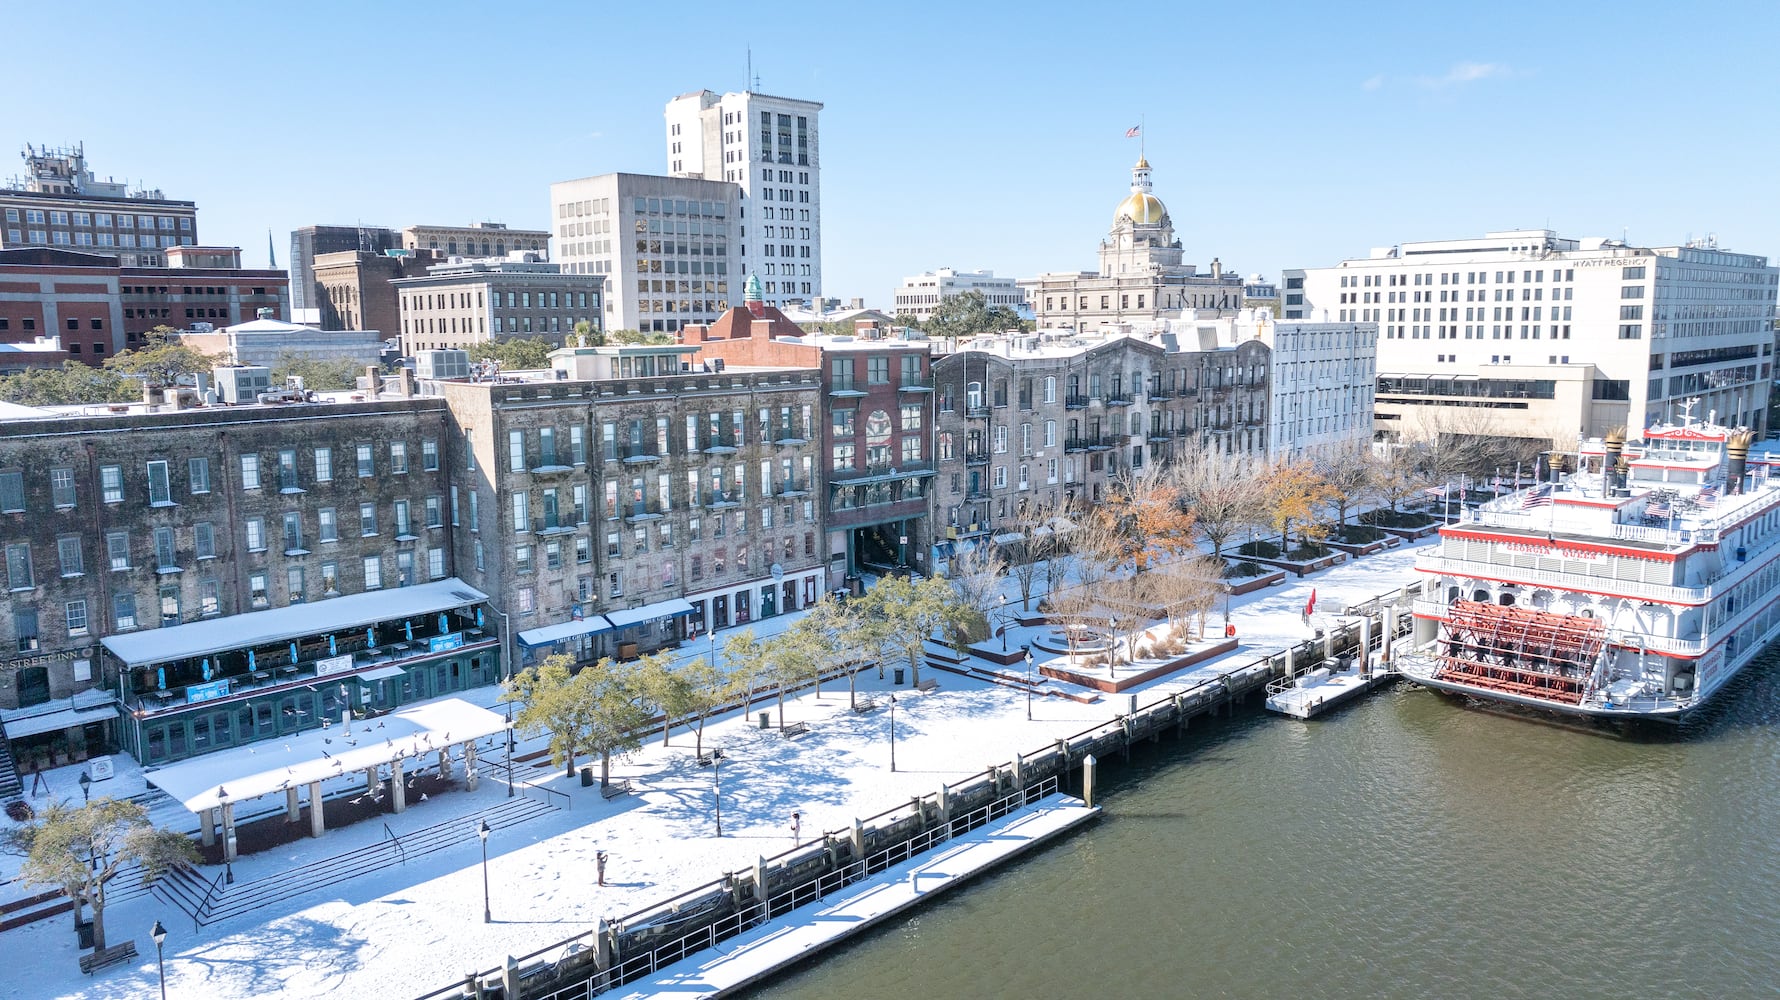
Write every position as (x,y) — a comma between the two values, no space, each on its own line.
(599,861)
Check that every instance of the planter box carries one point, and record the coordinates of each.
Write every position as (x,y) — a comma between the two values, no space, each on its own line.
(1086,676)
(1303,568)
(1411,534)
(1363,549)
(1253,583)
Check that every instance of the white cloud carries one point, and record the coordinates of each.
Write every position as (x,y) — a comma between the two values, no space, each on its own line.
(1373,83)
(1466,72)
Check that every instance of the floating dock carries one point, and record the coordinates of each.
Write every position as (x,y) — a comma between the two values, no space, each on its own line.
(803,932)
(1310,694)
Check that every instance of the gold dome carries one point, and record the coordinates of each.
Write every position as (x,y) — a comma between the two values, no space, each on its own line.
(1144,209)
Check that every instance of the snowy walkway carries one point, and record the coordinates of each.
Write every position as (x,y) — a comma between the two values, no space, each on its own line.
(807,930)
(407,930)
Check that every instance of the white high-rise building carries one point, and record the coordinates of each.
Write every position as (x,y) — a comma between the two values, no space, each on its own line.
(770,147)
(922,294)
(666,246)
(1530,334)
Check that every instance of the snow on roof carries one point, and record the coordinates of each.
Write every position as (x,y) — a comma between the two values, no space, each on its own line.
(591,625)
(669,608)
(274,765)
(160,645)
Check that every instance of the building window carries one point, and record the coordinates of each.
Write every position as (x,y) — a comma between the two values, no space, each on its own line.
(367,519)
(68,553)
(160,488)
(123,611)
(324,465)
(398,458)
(75,614)
(18,567)
(515,451)
(256,534)
(117,550)
(367,465)
(166,558)
(203,540)
(250,472)
(111,483)
(61,487)
(373,572)
(435,564)
(198,471)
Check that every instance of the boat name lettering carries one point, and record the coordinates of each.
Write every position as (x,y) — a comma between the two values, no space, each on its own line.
(1549,552)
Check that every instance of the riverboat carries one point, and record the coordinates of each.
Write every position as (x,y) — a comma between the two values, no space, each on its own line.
(1635,587)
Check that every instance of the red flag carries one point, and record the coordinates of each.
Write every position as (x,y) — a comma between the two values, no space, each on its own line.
(1310,605)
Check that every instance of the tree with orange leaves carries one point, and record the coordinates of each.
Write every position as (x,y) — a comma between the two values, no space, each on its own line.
(1296,494)
(1147,516)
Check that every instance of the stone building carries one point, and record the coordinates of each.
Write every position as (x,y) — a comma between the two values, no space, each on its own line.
(630,504)
(310,242)
(354,291)
(466,302)
(1053,418)
(877,428)
(478,239)
(207,529)
(1142,275)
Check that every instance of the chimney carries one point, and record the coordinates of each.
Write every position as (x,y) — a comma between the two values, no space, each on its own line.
(1737,450)
(373,381)
(1217,268)
(1612,469)
(406,378)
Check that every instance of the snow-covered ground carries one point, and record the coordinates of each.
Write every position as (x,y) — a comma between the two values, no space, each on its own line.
(409,929)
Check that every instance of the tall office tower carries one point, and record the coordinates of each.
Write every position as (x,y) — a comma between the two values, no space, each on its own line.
(59,203)
(770,147)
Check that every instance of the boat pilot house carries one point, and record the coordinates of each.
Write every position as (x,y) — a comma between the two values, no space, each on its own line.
(189,689)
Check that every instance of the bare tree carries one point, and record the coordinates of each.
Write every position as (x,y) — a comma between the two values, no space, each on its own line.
(1033,518)
(1353,474)
(976,577)
(1221,491)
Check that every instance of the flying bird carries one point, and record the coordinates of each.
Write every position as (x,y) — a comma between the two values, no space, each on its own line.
(329,756)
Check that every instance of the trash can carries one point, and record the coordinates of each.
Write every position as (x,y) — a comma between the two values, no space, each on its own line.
(587,776)
(898,673)
(85,930)
(766,720)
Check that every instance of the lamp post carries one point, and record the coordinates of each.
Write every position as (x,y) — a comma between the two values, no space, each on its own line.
(159,933)
(893,732)
(1112,648)
(86,782)
(1028,650)
(717,785)
(1002,614)
(507,681)
(482,831)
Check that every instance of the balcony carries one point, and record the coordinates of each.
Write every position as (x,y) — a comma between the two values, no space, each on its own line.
(1118,400)
(976,456)
(787,438)
(913,386)
(792,488)
(1075,402)
(879,472)
(636,454)
(1100,442)
(1157,392)
(720,444)
(553,526)
(957,531)
(718,499)
(642,512)
(978,412)
(548,465)
(845,387)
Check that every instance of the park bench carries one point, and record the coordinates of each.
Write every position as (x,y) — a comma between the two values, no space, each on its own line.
(94,961)
(710,757)
(613,789)
(864,705)
(927,686)
(795,729)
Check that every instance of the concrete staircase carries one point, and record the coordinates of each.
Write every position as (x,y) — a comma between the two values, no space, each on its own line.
(10,785)
(199,893)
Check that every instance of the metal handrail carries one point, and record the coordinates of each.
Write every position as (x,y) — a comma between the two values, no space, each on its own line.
(401,852)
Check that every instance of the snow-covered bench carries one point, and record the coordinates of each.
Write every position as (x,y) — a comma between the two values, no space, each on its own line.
(96,960)
(795,729)
(927,686)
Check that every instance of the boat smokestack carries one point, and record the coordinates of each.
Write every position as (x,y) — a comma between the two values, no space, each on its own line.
(1613,469)
(1737,452)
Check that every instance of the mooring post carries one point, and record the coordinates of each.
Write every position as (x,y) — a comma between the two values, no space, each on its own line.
(760,880)
(1088,765)
(945,804)
(858,840)
(1366,646)
(510,979)
(602,947)
(1019,772)
(1390,632)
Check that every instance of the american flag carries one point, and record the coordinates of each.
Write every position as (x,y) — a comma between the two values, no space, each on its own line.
(1496,485)
(1656,508)
(1708,497)
(1435,491)
(1134,131)
(1539,497)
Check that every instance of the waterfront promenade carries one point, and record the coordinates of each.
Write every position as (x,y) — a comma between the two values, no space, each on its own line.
(414,927)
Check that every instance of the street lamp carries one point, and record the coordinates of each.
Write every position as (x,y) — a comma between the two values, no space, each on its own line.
(1028,650)
(717,784)
(482,831)
(893,732)
(1112,647)
(86,782)
(1003,616)
(159,933)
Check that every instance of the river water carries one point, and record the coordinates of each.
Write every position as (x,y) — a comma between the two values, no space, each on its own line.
(1404,847)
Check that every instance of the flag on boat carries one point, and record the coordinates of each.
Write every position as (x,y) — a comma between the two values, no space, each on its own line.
(1656,508)
(1134,131)
(1537,497)
(1496,485)
(1708,497)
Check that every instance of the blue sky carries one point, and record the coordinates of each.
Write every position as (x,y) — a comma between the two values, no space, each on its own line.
(972,136)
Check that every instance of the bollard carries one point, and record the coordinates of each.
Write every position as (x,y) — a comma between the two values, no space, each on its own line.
(1366,647)
(510,979)
(1088,765)
(1390,632)
(760,879)
(1019,772)
(858,840)
(945,804)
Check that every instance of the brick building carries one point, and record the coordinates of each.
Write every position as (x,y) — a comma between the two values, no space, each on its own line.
(100,308)
(877,428)
(466,302)
(59,203)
